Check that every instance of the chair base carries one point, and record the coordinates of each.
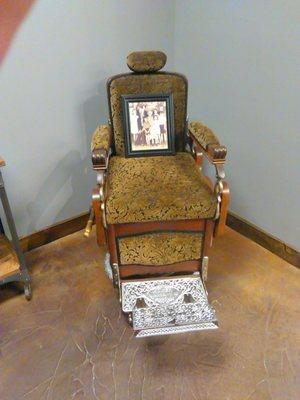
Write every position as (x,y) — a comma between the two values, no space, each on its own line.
(174,299)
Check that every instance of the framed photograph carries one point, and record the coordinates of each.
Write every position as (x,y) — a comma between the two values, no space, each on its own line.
(148,123)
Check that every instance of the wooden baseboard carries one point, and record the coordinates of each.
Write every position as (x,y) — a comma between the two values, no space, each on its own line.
(54,232)
(263,238)
(235,222)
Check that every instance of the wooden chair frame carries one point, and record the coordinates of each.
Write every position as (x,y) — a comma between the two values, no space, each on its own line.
(110,234)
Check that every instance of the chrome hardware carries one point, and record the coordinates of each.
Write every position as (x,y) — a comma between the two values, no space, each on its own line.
(204,268)
(100,177)
(115,275)
(218,190)
(177,329)
(167,305)
(107,267)
(100,195)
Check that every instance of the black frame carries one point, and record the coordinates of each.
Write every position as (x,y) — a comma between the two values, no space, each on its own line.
(168,98)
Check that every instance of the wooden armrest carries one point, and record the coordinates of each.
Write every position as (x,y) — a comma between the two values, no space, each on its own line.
(100,159)
(207,142)
(100,146)
(2,162)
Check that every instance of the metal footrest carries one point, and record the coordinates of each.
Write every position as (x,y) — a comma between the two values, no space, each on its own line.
(166,306)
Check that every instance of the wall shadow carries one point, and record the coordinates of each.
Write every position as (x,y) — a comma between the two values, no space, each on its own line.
(70,183)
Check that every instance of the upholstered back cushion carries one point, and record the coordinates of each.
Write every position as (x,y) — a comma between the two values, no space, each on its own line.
(153,83)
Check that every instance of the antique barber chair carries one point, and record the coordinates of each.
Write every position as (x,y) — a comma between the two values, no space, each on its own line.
(158,214)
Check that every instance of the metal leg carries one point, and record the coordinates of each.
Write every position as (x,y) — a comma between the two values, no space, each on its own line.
(1,227)
(24,275)
(27,291)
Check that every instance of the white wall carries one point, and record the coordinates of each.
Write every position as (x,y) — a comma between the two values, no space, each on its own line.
(53,96)
(242,62)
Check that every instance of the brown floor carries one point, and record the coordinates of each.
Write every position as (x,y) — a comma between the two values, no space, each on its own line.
(71,341)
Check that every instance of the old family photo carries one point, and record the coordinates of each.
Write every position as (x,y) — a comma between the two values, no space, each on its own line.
(148,125)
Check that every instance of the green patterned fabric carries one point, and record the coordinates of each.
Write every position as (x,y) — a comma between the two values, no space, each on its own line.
(160,248)
(101,138)
(162,188)
(202,134)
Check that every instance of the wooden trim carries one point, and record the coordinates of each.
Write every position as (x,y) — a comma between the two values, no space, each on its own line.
(96,204)
(263,238)
(216,153)
(127,271)
(191,225)
(235,222)
(116,231)
(54,232)
(208,237)
(100,159)
(112,245)
(221,222)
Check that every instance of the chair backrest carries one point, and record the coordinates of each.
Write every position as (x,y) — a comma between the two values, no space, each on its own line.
(147,77)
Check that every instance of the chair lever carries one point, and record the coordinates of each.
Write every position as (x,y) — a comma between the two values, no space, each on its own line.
(89,225)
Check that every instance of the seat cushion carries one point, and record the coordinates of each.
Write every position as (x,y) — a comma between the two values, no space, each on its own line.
(161,188)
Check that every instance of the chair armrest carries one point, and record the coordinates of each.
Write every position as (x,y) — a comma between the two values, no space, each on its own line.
(207,142)
(204,141)
(100,147)
(2,162)
(101,151)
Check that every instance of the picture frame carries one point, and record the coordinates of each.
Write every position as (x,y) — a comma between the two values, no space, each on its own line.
(148,124)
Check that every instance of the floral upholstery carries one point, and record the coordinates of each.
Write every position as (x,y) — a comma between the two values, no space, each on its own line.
(158,188)
(160,248)
(202,134)
(146,61)
(155,83)
(101,138)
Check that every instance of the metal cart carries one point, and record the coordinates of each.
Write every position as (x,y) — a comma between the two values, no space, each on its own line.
(12,261)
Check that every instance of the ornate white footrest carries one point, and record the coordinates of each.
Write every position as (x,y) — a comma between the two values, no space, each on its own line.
(167,306)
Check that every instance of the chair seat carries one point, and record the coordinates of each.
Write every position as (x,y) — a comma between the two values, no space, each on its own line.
(161,188)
